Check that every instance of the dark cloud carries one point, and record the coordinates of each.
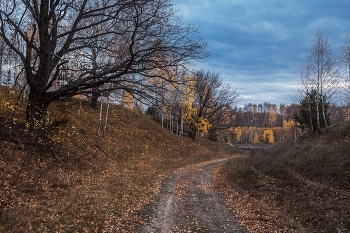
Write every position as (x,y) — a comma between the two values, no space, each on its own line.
(262,44)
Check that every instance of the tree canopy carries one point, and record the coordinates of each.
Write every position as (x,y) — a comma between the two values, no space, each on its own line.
(70,47)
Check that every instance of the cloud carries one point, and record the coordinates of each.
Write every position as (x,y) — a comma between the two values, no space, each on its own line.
(260,45)
(256,93)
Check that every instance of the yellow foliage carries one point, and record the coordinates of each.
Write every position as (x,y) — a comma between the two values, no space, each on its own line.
(189,112)
(288,124)
(128,100)
(203,125)
(8,100)
(238,132)
(268,136)
(255,139)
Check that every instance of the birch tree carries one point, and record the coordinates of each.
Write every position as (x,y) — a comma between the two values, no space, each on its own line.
(307,112)
(345,63)
(319,74)
(2,48)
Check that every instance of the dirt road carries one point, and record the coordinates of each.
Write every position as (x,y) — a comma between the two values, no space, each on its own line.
(188,203)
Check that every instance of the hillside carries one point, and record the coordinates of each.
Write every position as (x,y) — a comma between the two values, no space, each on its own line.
(303,186)
(73,180)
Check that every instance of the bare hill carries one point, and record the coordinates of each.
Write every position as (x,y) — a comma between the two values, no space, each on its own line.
(303,186)
(73,180)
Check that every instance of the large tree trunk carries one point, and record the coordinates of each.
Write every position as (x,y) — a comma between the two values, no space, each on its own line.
(192,131)
(93,100)
(36,110)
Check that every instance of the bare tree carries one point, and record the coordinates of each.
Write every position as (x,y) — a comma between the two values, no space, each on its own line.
(213,100)
(319,74)
(345,62)
(129,37)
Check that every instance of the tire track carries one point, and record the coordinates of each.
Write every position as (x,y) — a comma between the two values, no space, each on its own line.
(188,203)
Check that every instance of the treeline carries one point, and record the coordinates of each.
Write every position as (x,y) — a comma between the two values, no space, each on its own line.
(272,115)
(271,123)
(264,115)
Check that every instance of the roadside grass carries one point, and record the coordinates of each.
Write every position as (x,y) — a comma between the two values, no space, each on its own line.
(306,183)
(77,181)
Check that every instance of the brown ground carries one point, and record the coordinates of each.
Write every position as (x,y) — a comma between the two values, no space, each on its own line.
(188,203)
(73,180)
(302,186)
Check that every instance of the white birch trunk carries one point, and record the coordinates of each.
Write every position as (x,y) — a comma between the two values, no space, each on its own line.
(105,127)
(100,119)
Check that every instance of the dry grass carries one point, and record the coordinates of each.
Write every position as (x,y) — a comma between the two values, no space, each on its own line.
(306,183)
(78,181)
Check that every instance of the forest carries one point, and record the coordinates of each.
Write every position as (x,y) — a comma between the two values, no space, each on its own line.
(143,58)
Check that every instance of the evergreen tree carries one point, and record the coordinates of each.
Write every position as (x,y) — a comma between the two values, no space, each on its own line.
(306,117)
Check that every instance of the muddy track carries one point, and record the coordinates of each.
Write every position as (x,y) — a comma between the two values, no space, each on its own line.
(188,203)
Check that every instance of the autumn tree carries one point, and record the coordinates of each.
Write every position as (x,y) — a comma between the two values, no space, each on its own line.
(255,137)
(268,136)
(238,133)
(281,110)
(318,77)
(213,101)
(188,108)
(128,100)
(133,37)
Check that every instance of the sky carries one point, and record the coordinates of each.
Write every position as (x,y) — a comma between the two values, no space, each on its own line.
(258,46)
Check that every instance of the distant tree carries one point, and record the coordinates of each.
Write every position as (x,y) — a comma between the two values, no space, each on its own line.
(268,136)
(290,111)
(248,109)
(238,133)
(281,110)
(255,137)
(307,112)
(271,115)
(189,111)
(213,101)
(128,100)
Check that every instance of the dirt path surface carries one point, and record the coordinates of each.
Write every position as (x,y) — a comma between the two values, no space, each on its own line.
(188,203)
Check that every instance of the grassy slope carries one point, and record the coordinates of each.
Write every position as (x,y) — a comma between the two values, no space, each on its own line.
(85,182)
(301,187)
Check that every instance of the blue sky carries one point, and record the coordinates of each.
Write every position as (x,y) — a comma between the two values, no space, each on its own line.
(259,45)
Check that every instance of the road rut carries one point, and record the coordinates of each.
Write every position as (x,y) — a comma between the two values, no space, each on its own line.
(189,203)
